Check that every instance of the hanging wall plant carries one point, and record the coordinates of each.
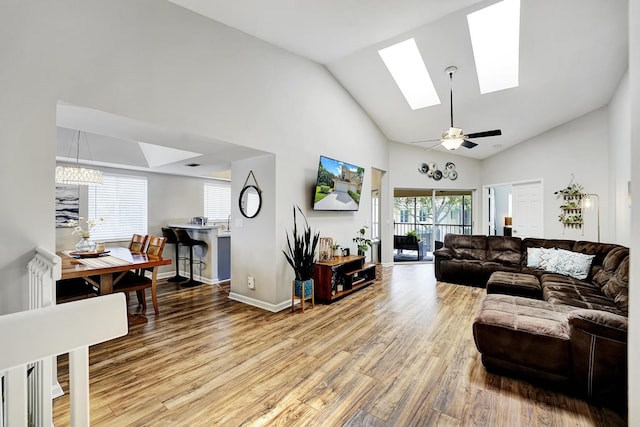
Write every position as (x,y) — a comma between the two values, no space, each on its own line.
(571,208)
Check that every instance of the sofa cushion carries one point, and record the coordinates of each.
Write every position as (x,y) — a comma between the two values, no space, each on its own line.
(462,271)
(513,283)
(578,295)
(610,264)
(505,250)
(617,287)
(467,247)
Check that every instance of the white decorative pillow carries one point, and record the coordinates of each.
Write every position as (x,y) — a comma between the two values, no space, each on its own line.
(573,264)
(533,257)
(548,258)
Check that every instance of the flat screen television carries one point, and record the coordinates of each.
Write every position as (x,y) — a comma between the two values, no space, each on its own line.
(338,186)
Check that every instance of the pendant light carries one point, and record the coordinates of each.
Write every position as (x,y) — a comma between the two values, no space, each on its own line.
(76,175)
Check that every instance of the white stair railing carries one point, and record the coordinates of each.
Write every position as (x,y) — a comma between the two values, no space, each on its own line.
(44,269)
(35,335)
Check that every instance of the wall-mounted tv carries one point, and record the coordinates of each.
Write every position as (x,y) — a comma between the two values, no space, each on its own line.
(338,186)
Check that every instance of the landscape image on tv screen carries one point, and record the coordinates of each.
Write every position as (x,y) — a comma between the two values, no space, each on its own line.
(338,186)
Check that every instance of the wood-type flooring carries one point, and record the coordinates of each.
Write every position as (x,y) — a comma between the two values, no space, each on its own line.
(397,353)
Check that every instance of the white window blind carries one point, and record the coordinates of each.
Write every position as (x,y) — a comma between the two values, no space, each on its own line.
(122,201)
(217,200)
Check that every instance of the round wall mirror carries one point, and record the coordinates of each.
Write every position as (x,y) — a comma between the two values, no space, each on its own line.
(250,201)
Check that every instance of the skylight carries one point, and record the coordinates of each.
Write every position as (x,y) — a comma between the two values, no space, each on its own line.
(404,62)
(495,37)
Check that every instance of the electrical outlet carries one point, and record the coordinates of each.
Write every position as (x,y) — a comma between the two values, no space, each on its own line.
(251,282)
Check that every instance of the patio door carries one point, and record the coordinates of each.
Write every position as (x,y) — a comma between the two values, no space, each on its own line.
(432,214)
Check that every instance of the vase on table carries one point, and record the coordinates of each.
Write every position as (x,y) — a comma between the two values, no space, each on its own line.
(85,244)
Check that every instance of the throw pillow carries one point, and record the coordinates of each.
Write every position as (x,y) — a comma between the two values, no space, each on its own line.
(548,258)
(533,257)
(572,264)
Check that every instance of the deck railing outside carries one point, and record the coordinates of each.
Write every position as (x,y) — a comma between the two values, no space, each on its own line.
(426,230)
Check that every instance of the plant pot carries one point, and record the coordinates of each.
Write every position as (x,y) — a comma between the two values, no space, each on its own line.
(298,288)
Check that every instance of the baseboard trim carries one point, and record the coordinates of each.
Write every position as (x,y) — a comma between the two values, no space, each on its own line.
(274,308)
(205,280)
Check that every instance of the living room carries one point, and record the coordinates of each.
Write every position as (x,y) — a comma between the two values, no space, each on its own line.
(161,64)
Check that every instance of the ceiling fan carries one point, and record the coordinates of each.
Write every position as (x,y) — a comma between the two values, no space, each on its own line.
(453,138)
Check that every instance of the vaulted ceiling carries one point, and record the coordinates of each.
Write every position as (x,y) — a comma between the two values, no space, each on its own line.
(573,53)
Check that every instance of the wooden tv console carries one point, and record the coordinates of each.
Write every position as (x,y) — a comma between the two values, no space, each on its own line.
(341,276)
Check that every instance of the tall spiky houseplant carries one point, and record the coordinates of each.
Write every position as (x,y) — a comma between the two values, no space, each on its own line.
(301,248)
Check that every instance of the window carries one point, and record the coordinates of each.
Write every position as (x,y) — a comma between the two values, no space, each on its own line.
(122,201)
(217,200)
(404,62)
(495,38)
(404,215)
(375,214)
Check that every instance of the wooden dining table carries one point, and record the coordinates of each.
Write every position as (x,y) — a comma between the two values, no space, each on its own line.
(109,267)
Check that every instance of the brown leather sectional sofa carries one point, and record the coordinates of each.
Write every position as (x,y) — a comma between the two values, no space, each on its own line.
(548,328)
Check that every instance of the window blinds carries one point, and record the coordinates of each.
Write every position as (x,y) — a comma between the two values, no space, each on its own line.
(217,200)
(122,201)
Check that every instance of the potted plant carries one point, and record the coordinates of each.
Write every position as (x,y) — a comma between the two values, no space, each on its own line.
(362,241)
(300,254)
(414,234)
(336,250)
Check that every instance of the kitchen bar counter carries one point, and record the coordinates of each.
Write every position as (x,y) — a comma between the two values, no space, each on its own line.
(210,235)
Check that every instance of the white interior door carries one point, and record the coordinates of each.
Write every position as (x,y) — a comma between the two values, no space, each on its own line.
(527,210)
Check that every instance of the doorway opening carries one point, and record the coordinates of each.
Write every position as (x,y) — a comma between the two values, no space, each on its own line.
(513,209)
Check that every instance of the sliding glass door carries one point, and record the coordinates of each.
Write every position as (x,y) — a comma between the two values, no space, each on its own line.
(431,214)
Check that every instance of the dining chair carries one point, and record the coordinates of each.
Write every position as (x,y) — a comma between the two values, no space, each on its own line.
(138,243)
(138,282)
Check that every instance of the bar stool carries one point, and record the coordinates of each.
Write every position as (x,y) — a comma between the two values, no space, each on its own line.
(172,238)
(185,239)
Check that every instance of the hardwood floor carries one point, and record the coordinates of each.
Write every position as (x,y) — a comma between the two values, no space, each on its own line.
(398,353)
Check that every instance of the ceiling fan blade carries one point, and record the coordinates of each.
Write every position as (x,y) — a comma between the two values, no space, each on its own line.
(424,140)
(496,132)
(468,144)
(433,146)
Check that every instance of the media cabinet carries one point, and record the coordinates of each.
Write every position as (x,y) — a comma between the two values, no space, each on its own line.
(341,276)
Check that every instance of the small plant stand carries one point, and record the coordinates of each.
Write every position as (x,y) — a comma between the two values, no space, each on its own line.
(302,297)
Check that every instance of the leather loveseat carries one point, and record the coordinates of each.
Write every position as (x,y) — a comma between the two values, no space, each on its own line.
(571,335)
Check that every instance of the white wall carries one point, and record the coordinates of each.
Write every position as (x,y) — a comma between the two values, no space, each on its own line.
(634,285)
(578,147)
(257,258)
(620,163)
(161,64)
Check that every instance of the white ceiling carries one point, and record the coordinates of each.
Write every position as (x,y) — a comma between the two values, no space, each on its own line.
(573,53)
(572,56)
(114,141)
